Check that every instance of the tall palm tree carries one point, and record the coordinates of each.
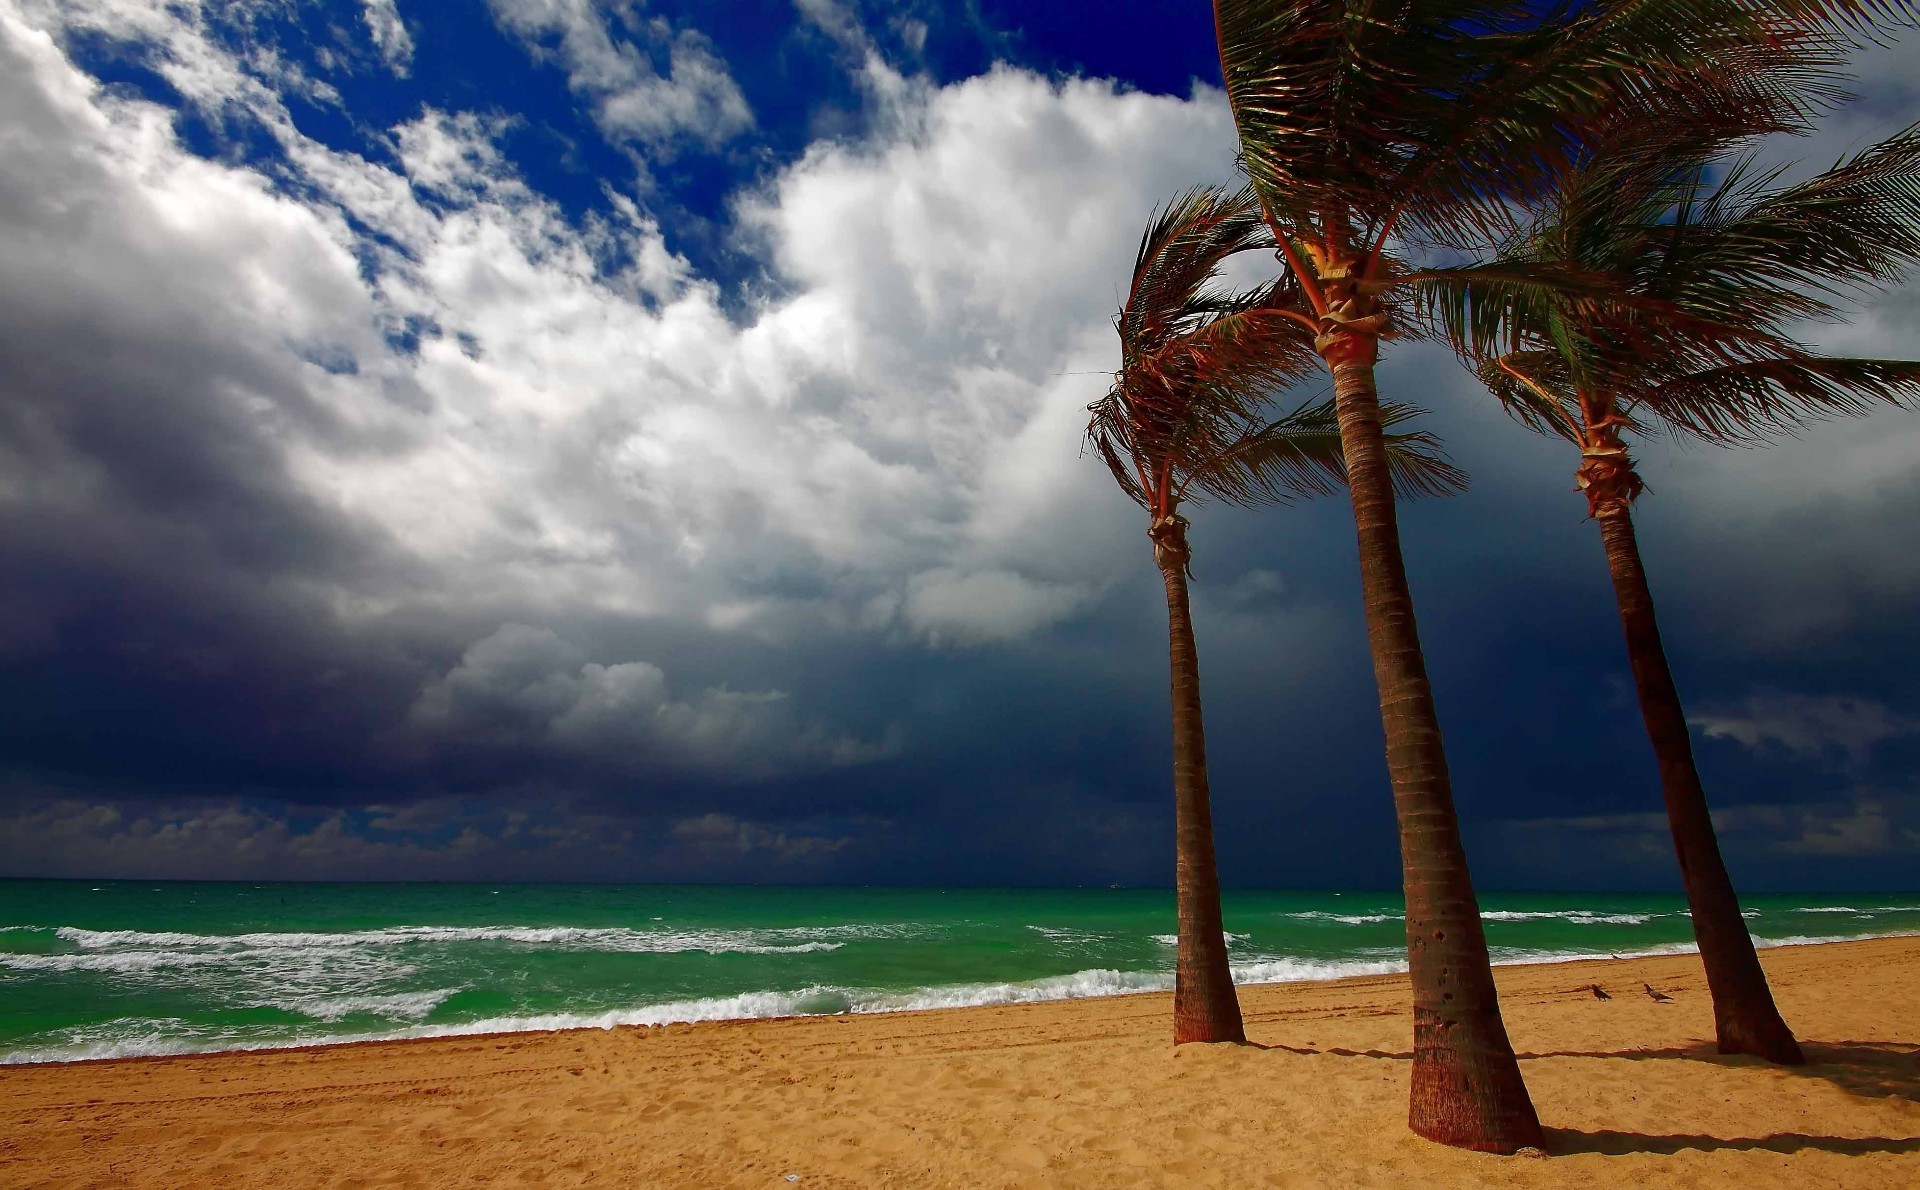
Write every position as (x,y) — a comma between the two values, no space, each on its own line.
(1377,130)
(1715,274)
(1186,416)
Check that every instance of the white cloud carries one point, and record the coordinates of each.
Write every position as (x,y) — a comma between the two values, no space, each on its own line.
(696,98)
(527,686)
(389,34)
(984,605)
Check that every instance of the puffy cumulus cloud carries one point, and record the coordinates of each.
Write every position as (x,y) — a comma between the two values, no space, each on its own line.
(290,435)
(694,97)
(526,686)
(376,407)
(1805,725)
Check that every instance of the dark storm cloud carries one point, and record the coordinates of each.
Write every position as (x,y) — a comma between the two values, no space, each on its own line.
(602,573)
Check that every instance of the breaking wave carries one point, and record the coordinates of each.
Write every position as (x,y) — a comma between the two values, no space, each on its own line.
(794,940)
(118,1040)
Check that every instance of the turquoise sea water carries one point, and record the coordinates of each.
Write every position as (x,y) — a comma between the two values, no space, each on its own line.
(90,970)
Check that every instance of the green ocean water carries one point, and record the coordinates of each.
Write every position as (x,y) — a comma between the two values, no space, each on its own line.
(104,969)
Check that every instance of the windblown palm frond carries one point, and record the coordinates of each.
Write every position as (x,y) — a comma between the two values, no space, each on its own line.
(1429,118)
(1300,454)
(1200,366)
(1533,388)
(1851,229)
(1698,336)
(1757,401)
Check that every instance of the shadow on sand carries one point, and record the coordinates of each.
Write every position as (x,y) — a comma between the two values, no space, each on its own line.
(1566,1141)
(1872,1069)
(1875,1069)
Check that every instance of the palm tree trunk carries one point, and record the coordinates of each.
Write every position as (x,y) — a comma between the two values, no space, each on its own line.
(1467,1089)
(1744,1017)
(1205,1006)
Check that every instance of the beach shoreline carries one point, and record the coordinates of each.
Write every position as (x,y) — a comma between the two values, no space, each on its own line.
(480,1032)
(1066,1092)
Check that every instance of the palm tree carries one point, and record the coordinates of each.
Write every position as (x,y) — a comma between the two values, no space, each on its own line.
(1371,128)
(1199,366)
(1714,274)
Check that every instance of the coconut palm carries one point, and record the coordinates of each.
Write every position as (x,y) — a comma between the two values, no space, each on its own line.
(1716,273)
(1376,132)
(1186,417)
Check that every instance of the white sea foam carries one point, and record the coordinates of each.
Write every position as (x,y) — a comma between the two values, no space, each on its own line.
(1584,917)
(1066,935)
(616,939)
(1871,909)
(125,962)
(811,1001)
(1174,939)
(1813,939)
(408,1006)
(1348,919)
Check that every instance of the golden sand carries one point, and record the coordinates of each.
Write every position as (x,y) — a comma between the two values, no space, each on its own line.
(1079,1093)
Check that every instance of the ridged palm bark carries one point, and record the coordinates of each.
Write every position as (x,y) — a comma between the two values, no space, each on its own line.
(1187,416)
(1365,123)
(1709,280)
(1205,1005)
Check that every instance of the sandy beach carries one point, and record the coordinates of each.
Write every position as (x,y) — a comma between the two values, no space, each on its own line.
(1073,1093)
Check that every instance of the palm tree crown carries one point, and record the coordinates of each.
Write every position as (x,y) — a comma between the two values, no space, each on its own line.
(1708,281)
(1201,366)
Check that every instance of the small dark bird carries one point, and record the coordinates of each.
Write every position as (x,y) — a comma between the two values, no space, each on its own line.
(1599,993)
(1662,997)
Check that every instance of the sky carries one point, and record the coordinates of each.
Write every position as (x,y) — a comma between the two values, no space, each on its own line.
(633,440)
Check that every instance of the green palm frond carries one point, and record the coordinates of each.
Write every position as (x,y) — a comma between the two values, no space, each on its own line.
(1533,389)
(1300,454)
(1757,401)
(1199,362)
(1415,460)
(1479,309)
(1188,416)
(1710,278)
(1853,228)
(1430,118)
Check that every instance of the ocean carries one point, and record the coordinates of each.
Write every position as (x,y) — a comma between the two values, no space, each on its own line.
(98,969)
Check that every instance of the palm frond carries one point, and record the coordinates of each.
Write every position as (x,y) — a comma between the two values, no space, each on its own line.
(1688,325)
(1199,364)
(1301,455)
(1853,228)
(1432,117)
(1758,401)
(1415,460)
(1534,389)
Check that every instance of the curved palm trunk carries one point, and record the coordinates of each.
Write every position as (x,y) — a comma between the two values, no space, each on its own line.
(1467,1089)
(1205,1006)
(1744,1017)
